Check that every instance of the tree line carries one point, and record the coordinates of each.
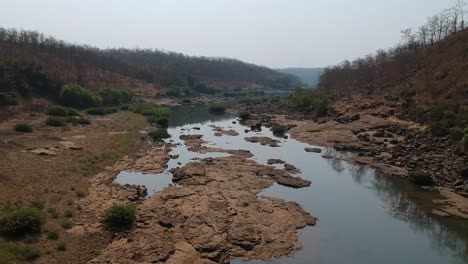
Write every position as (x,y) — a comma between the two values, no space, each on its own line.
(401,62)
(93,67)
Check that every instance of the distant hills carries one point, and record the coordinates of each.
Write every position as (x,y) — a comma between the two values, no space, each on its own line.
(96,68)
(308,76)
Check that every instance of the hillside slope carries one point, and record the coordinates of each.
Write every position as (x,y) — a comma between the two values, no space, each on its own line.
(96,68)
(411,80)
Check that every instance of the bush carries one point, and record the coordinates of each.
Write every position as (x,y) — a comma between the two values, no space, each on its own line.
(28,253)
(55,121)
(52,234)
(119,216)
(9,99)
(278,130)
(163,121)
(456,133)
(96,111)
(177,91)
(310,101)
(149,109)
(159,134)
(244,116)
(76,96)
(115,97)
(186,101)
(21,221)
(84,121)
(61,246)
(66,225)
(73,112)
(23,127)
(217,108)
(68,214)
(56,110)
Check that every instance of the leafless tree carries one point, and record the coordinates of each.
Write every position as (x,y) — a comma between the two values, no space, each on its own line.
(460,6)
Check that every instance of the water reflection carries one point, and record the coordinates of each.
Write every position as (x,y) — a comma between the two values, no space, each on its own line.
(403,201)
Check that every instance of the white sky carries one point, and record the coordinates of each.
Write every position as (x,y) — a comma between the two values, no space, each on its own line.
(275,33)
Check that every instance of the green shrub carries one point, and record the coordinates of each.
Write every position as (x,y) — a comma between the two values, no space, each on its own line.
(61,246)
(163,121)
(68,214)
(177,91)
(66,225)
(310,101)
(9,99)
(119,216)
(55,121)
(186,101)
(217,108)
(115,97)
(53,213)
(27,253)
(456,133)
(96,111)
(149,109)
(76,96)
(23,127)
(159,134)
(278,130)
(244,116)
(84,121)
(52,234)
(10,252)
(72,112)
(56,110)
(21,221)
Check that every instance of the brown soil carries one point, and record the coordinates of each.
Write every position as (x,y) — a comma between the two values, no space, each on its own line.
(58,181)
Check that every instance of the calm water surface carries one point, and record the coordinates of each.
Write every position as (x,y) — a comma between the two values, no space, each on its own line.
(363,217)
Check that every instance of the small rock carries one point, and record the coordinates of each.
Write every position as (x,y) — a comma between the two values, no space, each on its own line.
(315,150)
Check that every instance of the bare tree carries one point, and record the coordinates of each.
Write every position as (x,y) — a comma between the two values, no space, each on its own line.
(460,6)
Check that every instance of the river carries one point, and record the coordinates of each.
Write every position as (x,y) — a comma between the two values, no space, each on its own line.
(363,217)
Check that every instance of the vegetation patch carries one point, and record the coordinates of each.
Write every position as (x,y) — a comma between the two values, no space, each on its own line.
(23,127)
(10,252)
(217,108)
(116,96)
(21,221)
(278,130)
(244,116)
(159,134)
(55,121)
(310,101)
(76,96)
(119,217)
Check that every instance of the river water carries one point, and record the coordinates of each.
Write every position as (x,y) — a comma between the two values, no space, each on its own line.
(363,217)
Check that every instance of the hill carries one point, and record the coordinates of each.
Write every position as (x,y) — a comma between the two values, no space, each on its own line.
(308,76)
(143,70)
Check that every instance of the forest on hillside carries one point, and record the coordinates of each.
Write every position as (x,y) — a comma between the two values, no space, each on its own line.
(422,52)
(95,68)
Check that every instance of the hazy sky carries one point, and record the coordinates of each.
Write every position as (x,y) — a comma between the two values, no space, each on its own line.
(275,33)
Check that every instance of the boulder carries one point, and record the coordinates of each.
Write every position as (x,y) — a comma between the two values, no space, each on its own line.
(315,150)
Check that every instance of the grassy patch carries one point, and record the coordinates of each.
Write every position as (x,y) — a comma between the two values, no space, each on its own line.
(10,252)
(23,127)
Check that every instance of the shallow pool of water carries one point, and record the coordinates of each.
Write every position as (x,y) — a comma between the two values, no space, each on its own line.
(363,217)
